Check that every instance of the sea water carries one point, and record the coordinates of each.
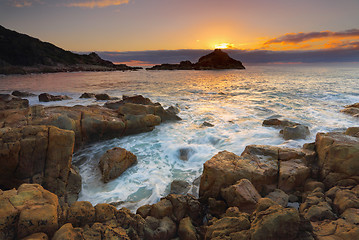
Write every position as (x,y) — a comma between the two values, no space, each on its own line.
(235,101)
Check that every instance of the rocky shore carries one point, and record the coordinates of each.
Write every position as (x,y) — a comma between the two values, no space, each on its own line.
(267,192)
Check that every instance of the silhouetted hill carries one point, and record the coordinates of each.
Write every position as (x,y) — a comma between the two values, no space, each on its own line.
(215,60)
(20,53)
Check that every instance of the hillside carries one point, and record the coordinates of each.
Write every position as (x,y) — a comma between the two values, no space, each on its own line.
(20,53)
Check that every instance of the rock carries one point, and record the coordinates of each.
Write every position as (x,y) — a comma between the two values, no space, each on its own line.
(37,236)
(345,199)
(45,97)
(319,212)
(274,122)
(296,132)
(114,162)
(338,229)
(275,222)
(137,99)
(218,60)
(102,96)
(216,207)
(173,110)
(338,156)
(185,153)
(30,209)
(81,213)
(179,187)
(22,94)
(226,226)
(166,230)
(87,95)
(352,110)
(352,131)
(186,230)
(161,209)
(351,215)
(207,124)
(292,174)
(74,185)
(8,101)
(67,232)
(215,60)
(242,195)
(225,168)
(116,233)
(104,212)
(279,197)
(144,211)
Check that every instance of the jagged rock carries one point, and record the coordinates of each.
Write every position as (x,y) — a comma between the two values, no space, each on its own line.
(45,97)
(207,124)
(345,199)
(30,209)
(352,110)
(114,162)
(242,195)
(104,212)
(87,95)
(226,226)
(102,96)
(275,222)
(144,211)
(8,101)
(279,197)
(22,94)
(274,122)
(296,132)
(36,236)
(338,229)
(67,232)
(138,99)
(81,213)
(292,174)
(351,215)
(162,209)
(179,187)
(186,230)
(338,156)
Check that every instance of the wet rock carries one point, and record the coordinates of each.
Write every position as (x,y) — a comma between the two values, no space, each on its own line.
(74,185)
(22,94)
(185,153)
(296,132)
(179,187)
(352,110)
(274,122)
(186,230)
(144,210)
(45,97)
(81,213)
(87,95)
(104,212)
(338,156)
(173,110)
(137,99)
(207,124)
(8,101)
(279,197)
(242,195)
(102,96)
(275,222)
(114,162)
(166,230)
(292,174)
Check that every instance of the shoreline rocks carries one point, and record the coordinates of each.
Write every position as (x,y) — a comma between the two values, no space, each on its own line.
(45,97)
(289,130)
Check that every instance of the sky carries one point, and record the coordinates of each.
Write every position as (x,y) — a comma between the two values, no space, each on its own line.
(143,25)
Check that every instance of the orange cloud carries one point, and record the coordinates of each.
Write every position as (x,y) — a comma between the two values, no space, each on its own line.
(98,3)
(295,38)
(22,3)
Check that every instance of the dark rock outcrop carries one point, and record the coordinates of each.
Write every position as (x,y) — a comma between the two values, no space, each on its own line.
(45,97)
(22,94)
(21,54)
(213,61)
(351,110)
(87,95)
(289,130)
(8,101)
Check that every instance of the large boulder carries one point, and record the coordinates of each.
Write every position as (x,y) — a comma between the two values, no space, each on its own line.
(8,101)
(242,195)
(114,162)
(292,174)
(46,97)
(30,209)
(338,157)
(228,227)
(22,94)
(37,154)
(352,110)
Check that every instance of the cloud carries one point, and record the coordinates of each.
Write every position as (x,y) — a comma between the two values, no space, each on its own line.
(98,3)
(23,3)
(294,38)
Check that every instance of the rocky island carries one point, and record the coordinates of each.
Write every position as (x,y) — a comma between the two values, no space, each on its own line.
(22,54)
(267,192)
(213,61)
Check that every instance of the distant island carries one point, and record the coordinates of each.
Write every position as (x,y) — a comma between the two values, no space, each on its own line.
(22,54)
(213,61)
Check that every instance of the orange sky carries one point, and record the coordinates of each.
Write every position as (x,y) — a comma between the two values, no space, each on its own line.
(138,25)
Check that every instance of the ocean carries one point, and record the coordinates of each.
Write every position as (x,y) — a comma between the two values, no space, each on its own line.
(235,101)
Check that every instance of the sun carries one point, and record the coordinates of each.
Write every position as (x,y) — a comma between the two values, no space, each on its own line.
(223,46)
